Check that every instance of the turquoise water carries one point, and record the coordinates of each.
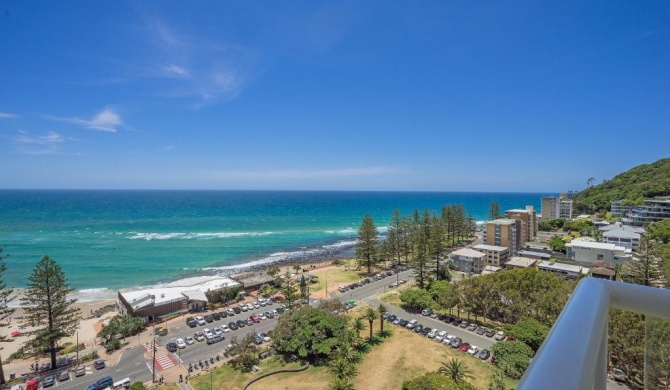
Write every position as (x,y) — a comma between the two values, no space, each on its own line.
(118,239)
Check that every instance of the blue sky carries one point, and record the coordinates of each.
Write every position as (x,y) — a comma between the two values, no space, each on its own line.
(363,95)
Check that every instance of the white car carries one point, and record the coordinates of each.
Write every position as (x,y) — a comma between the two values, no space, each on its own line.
(473,350)
(257,306)
(264,336)
(262,303)
(218,332)
(207,332)
(274,313)
(225,328)
(199,336)
(180,343)
(500,336)
(244,308)
(411,324)
(261,316)
(189,340)
(432,333)
(440,336)
(201,321)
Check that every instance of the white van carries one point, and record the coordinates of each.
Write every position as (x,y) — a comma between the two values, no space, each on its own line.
(122,384)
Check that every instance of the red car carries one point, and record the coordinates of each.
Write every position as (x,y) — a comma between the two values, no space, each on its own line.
(254,318)
(464,347)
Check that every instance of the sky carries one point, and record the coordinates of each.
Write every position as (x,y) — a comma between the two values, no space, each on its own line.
(518,96)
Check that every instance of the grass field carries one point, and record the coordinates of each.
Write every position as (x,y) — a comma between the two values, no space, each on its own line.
(312,378)
(227,378)
(334,276)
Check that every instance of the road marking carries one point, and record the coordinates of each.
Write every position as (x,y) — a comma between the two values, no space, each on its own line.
(149,367)
(164,362)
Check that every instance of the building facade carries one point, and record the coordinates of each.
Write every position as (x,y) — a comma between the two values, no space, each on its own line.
(528,218)
(653,210)
(495,255)
(622,237)
(469,260)
(566,270)
(589,251)
(554,208)
(504,232)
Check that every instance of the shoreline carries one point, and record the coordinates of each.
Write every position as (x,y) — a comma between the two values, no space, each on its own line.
(325,253)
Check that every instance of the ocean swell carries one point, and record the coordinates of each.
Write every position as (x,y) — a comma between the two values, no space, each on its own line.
(193,236)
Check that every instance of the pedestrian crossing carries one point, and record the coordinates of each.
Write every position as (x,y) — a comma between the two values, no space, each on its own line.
(147,347)
(164,362)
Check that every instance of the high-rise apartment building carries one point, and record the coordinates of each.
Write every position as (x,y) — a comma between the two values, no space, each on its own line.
(504,232)
(554,208)
(528,218)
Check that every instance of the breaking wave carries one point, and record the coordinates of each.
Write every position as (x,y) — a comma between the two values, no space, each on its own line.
(193,236)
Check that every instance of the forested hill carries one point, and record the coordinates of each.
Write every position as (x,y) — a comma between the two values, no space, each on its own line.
(635,185)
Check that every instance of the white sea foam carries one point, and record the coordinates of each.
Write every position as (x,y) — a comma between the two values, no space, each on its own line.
(342,244)
(191,236)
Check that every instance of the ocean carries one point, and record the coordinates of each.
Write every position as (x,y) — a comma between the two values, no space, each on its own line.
(109,240)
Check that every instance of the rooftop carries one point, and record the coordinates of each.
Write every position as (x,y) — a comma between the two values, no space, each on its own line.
(617,226)
(625,233)
(536,254)
(594,245)
(518,261)
(466,252)
(248,280)
(503,221)
(562,267)
(486,247)
(180,289)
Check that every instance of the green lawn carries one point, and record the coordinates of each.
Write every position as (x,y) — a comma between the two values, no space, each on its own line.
(334,277)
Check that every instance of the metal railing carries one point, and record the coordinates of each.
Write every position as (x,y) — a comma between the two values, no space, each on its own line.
(574,355)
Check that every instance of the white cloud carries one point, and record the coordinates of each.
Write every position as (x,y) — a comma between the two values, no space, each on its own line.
(48,143)
(307,174)
(6,115)
(106,120)
(176,71)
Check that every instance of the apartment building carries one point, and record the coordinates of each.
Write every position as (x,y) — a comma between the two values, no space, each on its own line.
(589,251)
(495,255)
(469,260)
(504,232)
(566,270)
(528,218)
(554,208)
(622,237)
(653,210)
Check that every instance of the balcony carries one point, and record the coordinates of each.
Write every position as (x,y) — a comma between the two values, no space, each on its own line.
(575,355)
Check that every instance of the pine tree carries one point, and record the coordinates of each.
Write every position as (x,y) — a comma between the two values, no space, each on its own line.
(47,307)
(421,258)
(368,244)
(494,211)
(646,267)
(288,288)
(6,295)
(436,240)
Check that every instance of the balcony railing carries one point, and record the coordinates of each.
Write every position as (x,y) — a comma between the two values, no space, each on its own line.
(574,356)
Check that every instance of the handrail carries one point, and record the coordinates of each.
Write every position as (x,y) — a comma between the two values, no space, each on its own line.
(574,355)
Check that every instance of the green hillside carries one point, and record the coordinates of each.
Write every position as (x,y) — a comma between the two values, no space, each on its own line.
(635,185)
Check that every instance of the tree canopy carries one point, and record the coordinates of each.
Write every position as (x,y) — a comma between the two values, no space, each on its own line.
(528,331)
(368,244)
(512,357)
(435,381)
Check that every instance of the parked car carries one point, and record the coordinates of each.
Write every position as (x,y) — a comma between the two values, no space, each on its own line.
(64,376)
(213,339)
(440,336)
(432,333)
(481,330)
(280,310)
(190,321)
(392,318)
(447,340)
(237,310)
(264,336)
(230,312)
(254,318)
(463,324)
(244,308)
(426,330)
(434,315)
(500,336)
(189,340)
(269,314)
(79,371)
(99,364)
(472,351)
(258,340)
(426,312)
(261,316)
(456,342)
(403,323)
(216,316)
(171,347)
(207,332)
(48,381)
(619,375)
(484,354)
(411,324)
(209,318)
(201,321)
(490,333)
(232,325)
(160,331)
(464,347)
(225,328)
(241,323)
(472,327)
(397,321)
(199,336)
(217,331)
(180,343)
(249,322)
(418,328)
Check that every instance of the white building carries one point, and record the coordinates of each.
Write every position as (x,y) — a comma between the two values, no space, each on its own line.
(588,251)
(622,237)
(567,270)
(469,260)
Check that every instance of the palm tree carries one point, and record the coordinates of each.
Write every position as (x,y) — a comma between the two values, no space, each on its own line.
(346,352)
(371,316)
(296,268)
(382,310)
(358,326)
(342,369)
(456,370)
(339,384)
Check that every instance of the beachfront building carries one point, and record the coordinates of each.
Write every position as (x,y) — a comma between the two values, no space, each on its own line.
(490,269)
(495,255)
(469,260)
(518,262)
(528,218)
(588,251)
(252,281)
(504,232)
(566,270)
(177,297)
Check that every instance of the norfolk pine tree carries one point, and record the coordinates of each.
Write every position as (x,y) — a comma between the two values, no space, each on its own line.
(367,245)
(47,307)
(6,296)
